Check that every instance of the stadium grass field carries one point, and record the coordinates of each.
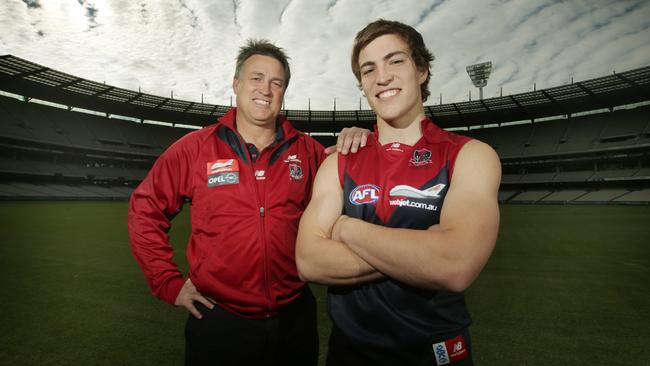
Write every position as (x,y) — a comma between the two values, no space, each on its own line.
(566,285)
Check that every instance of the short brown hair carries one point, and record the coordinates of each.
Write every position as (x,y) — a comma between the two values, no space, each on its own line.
(264,48)
(419,52)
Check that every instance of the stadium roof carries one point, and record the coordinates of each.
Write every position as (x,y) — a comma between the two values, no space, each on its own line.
(35,81)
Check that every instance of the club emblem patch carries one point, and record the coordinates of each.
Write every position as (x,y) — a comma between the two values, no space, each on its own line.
(295,172)
(420,157)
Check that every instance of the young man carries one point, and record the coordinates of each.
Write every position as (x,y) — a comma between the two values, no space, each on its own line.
(420,219)
(248,178)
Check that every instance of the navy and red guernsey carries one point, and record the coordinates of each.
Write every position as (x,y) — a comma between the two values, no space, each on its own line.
(245,209)
(398,186)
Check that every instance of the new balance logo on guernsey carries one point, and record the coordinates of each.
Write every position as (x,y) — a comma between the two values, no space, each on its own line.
(367,193)
(259,175)
(450,351)
(395,146)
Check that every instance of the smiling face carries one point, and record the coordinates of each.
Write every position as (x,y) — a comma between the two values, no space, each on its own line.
(260,89)
(391,80)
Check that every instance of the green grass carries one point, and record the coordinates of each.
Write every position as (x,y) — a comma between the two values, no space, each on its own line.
(566,285)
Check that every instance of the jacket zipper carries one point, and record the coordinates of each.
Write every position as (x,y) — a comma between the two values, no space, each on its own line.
(265,256)
(262,210)
(262,213)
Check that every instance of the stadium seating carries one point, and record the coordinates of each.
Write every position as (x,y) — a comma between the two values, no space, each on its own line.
(530,196)
(642,195)
(565,196)
(54,153)
(32,122)
(602,131)
(604,195)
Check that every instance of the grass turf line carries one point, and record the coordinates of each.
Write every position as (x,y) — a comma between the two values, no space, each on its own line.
(566,285)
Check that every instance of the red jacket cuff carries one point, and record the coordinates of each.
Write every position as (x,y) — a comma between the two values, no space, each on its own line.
(170,292)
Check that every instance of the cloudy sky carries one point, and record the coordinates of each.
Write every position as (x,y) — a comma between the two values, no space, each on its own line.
(189,46)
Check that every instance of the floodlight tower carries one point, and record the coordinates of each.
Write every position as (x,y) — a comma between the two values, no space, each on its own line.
(479,73)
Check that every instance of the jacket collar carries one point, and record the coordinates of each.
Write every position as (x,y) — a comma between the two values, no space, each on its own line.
(284,129)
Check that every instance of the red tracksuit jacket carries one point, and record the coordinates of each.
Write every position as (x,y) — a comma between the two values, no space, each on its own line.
(244,216)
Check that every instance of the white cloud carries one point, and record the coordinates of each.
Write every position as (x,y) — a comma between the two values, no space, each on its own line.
(189,46)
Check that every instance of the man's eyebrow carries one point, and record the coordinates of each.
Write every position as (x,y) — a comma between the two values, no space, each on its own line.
(278,79)
(388,56)
(367,63)
(393,54)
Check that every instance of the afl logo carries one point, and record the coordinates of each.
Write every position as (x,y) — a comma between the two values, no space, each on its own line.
(367,193)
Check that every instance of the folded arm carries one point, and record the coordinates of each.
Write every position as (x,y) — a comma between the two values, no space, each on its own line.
(319,258)
(451,256)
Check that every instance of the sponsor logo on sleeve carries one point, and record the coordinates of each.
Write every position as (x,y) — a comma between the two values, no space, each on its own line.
(364,194)
(222,172)
(420,157)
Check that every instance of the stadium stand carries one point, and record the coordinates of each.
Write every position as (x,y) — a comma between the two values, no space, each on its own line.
(604,195)
(581,143)
(530,196)
(565,196)
(642,195)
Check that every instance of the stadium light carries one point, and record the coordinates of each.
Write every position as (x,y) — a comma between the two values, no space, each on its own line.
(479,73)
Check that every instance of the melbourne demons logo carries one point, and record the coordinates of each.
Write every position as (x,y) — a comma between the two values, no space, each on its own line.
(420,157)
(367,193)
(295,171)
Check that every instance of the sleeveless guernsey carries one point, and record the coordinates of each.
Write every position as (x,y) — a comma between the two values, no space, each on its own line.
(398,186)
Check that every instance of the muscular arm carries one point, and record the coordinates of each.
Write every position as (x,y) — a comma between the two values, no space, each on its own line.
(451,257)
(319,258)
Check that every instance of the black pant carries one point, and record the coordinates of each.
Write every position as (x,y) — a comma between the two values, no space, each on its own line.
(345,352)
(222,338)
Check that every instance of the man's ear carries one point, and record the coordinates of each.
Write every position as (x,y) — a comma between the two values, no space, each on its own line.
(423,74)
(235,83)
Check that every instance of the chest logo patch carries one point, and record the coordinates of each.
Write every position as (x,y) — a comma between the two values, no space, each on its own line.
(395,146)
(295,172)
(367,193)
(223,165)
(222,172)
(408,191)
(292,159)
(420,157)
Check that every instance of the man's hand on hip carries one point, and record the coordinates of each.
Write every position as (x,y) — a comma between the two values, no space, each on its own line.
(188,295)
